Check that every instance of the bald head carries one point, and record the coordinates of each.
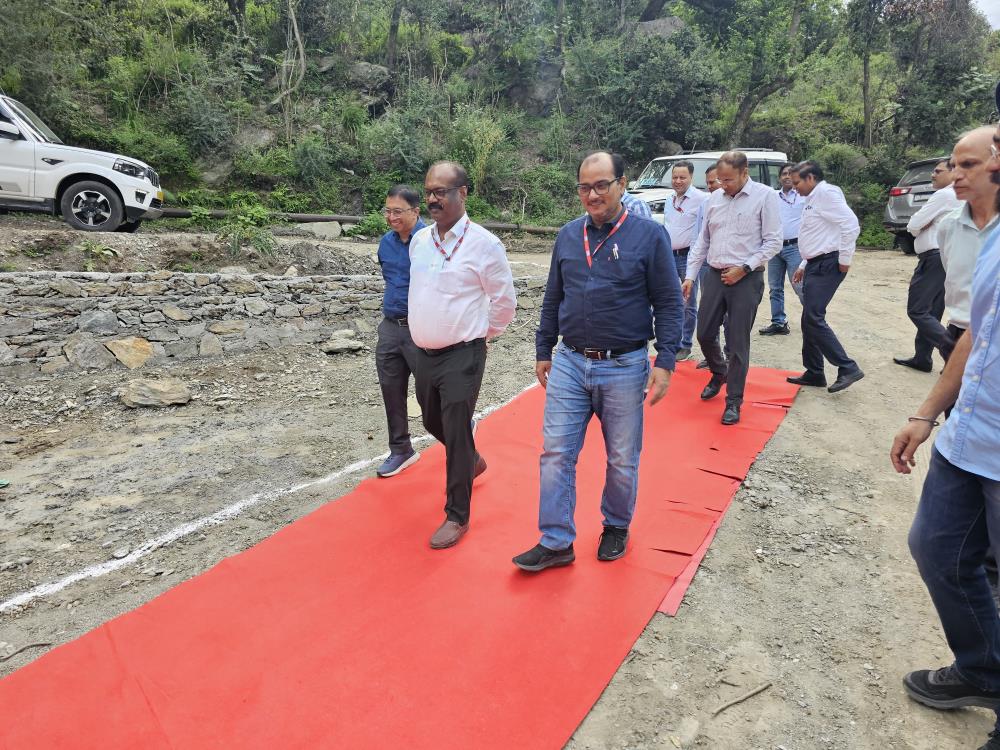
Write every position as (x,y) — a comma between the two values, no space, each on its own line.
(601,159)
(971,157)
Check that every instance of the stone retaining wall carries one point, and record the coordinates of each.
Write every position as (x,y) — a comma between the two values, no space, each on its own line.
(52,320)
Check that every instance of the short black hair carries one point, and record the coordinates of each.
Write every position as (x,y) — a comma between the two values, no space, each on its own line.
(787,165)
(617,163)
(461,176)
(713,167)
(405,192)
(685,163)
(946,160)
(735,159)
(809,168)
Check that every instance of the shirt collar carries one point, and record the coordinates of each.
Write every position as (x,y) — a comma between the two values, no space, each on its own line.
(793,192)
(590,221)
(416,228)
(965,217)
(745,190)
(457,231)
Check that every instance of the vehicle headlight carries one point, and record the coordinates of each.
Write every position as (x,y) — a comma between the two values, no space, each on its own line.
(130,169)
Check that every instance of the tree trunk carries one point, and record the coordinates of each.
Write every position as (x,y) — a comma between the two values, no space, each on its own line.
(238,10)
(866,94)
(560,21)
(390,44)
(652,11)
(748,105)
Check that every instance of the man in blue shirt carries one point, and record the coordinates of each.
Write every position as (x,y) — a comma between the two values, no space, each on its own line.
(959,507)
(612,286)
(787,261)
(395,353)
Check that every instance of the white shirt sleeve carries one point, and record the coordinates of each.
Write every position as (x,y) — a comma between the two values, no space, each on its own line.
(939,203)
(833,207)
(699,250)
(498,283)
(771,231)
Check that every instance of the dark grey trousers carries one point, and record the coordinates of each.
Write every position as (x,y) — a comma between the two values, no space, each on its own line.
(822,279)
(739,303)
(395,361)
(447,389)
(925,306)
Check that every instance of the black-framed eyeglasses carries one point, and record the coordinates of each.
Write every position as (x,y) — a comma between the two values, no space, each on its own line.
(601,187)
(440,193)
(395,213)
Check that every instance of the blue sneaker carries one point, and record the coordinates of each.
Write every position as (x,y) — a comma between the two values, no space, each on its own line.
(396,462)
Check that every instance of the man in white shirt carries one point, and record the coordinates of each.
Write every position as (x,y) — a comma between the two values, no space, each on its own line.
(740,233)
(963,232)
(788,258)
(461,294)
(925,299)
(680,216)
(827,235)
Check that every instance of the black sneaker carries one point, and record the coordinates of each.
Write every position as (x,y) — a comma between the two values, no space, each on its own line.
(944,688)
(614,541)
(993,743)
(775,329)
(540,557)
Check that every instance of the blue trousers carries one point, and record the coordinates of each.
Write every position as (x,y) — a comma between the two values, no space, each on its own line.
(691,306)
(780,266)
(950,537)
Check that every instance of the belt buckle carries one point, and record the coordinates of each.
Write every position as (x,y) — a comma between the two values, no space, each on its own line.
(600,353)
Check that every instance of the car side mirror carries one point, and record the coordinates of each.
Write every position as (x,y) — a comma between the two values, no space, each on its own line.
(9,131)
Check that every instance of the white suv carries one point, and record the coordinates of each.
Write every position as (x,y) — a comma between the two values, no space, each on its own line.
(92,190)
(653,184)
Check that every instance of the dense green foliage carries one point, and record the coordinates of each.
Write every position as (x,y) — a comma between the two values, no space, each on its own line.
(311,105)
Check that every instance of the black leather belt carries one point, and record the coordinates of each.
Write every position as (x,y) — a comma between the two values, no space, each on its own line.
(397,321)
(681,250)
(793,241)
(832,254)
(591,353)
(758,269)
(453,347)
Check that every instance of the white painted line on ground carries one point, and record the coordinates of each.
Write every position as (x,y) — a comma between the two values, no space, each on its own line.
(220,516)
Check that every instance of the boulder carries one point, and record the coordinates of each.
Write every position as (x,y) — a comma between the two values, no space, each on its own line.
(67,288)
(16,326)
(326,230)
(84,351)
(228,327)
(97,321)
(256,306)
(132,352)
(369,76)
(155,393)
(210,346)
(175,313)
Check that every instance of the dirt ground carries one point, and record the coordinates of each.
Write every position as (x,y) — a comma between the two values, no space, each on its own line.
(808,586)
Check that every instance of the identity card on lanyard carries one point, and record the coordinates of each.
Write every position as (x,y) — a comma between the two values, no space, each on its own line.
(586,239)
(458,244)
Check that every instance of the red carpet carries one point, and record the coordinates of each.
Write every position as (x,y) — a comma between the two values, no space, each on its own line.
(344,630)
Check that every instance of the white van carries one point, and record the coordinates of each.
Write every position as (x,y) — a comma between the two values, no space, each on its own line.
(653,184)
(92,190)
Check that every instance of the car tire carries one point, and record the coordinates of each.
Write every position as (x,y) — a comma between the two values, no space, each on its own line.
(905,243)
(129,226)
(92,207)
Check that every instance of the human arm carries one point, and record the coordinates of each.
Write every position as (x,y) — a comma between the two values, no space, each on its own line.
(663,289)
(936,205)
(832,207)
(699,248)
(547,333)
(943,394)
(498,283)
(771,231)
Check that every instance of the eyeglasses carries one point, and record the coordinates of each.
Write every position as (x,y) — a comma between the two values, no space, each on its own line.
(395,213)
(440,193)
(601,187)
(994,151)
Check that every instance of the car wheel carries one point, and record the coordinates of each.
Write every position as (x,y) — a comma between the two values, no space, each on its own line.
(92,207)
(129,226)
(905,242)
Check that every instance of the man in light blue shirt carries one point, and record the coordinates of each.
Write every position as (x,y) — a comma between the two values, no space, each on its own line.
(636,206)
(959,508)
(788,259)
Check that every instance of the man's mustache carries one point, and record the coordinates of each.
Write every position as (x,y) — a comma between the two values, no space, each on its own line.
(432,206)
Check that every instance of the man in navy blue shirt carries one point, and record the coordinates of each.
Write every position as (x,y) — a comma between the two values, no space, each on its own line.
(395,353)
(612,287)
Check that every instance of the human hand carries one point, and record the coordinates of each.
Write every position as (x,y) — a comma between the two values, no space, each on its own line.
(844,269)
(906,442)
(686,289)
(733,274)
(542,372)
(798,276)
(659,381)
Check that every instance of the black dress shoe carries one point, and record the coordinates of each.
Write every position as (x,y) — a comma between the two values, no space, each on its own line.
(712,389)
(808,379)
(775,329)
(541,557)
(843,381)
(913,364)
(702,365)
(731,415)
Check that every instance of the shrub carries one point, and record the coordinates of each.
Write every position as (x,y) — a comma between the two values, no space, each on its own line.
(272,165)
(311,160)
(287,200)
(373,225)
(873,234)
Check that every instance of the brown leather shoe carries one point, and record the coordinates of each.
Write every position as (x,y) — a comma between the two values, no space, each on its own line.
(448,535)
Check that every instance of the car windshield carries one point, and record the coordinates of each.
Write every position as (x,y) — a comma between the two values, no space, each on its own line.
(918,175)
(657,173)
(41,130)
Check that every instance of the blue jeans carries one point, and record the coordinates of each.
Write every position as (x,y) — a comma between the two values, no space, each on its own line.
(691,306)
(577,389)
(781,265)
(958,513)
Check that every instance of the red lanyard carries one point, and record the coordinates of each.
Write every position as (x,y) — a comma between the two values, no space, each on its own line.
(458,244)
(781,194)
(676,207)
(586,239)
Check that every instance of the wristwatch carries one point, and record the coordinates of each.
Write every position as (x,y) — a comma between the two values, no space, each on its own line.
(747,269)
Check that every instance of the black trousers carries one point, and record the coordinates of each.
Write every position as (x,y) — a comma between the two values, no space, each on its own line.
(395,361)
(952,334)
(738,303)
(925,306)
(822,279)
(447,389)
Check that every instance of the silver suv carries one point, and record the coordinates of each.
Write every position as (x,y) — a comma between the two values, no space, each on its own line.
(906,198)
